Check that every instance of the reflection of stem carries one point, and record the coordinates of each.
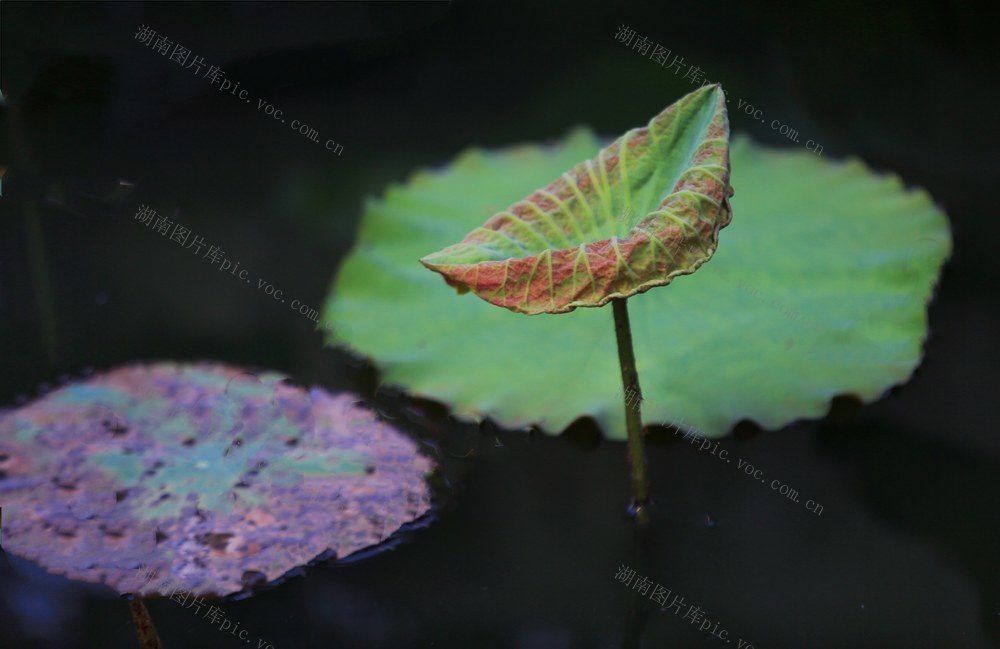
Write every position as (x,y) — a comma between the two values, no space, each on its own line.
(633,622)
(41,280)
(634,617)
(144,628)
(40,277)
(633,416)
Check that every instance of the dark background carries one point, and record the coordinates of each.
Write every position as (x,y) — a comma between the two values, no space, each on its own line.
(524,549)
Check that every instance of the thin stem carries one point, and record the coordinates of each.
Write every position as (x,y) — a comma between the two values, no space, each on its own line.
(633,415)
(144,628)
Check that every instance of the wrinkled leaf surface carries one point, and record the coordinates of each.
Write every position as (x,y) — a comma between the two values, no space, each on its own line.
(647,208)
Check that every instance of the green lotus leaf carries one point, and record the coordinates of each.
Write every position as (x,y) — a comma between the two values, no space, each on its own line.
(646,209)
(199,475)
(819,288)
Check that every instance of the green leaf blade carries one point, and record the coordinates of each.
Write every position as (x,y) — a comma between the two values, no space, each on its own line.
(820,290)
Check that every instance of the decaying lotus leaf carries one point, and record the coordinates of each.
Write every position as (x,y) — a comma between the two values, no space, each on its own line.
(648,208)
(203,476)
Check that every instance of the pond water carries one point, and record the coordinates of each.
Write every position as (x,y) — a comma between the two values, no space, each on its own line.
(874,527)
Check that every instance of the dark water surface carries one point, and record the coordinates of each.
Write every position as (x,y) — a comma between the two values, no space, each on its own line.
(525,545)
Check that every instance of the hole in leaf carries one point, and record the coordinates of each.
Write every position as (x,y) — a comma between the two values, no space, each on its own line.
(115,427)
(214,540)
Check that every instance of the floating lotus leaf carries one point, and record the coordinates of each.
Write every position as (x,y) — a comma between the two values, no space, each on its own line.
(819,288)
(648,208)
(203,476)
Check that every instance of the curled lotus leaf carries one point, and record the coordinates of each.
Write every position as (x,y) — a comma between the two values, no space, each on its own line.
(646,209)
(201,477)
